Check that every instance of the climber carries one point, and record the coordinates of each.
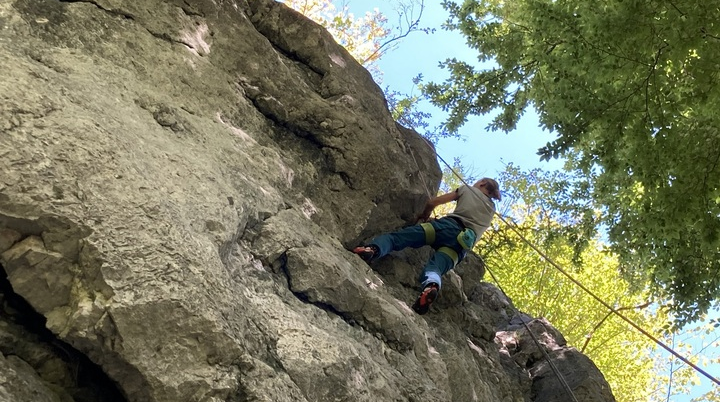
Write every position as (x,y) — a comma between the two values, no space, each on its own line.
(451,236)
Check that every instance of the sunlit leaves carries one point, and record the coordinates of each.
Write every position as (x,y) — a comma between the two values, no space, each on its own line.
(700,344)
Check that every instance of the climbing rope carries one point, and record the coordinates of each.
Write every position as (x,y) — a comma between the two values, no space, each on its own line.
(419,171)
(554,368)
(515,229)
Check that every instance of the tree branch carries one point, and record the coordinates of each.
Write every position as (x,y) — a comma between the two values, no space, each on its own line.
(682,14)
(599,324)
(412,27)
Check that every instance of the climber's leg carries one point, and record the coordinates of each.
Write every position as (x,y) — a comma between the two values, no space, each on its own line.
(411,236)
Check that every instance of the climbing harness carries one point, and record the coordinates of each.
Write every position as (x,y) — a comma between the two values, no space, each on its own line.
(467,238)
(429,233)
(450,253)
(430,240)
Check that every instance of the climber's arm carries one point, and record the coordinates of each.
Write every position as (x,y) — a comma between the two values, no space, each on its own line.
(435,201)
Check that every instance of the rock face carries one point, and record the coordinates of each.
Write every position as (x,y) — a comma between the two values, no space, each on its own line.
(179,183)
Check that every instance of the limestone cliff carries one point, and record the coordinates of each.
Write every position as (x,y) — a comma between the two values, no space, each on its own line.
(179,184)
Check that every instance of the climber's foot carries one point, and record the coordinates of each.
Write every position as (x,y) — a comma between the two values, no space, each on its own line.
(367,253)
(426,298)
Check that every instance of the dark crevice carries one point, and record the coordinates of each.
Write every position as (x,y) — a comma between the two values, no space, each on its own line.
(253,94)
(22,116)
(161,35)
(270,356)
(294,58)
(278,266)
(249,231)
(313,139)
(127,15)
(297,131)
(347,180)
(227,247)
(263,110)
(304,298)
(246,231)
(89,382)
(167,38)
(240,394)
(348,318)
(256,19)
(187,8)
(112,11)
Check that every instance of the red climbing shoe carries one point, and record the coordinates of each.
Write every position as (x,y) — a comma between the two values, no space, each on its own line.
(428,295)
(367,253)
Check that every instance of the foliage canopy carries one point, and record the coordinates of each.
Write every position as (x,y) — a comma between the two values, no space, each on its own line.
(631,89)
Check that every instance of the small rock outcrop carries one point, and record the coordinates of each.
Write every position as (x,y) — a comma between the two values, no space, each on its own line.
(179,184)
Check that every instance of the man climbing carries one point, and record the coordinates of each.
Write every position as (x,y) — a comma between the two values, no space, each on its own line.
(451,236)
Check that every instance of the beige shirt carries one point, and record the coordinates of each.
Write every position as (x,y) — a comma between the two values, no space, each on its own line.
(474,209)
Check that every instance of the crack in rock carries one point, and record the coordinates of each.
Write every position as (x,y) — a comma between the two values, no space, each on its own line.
(191,42)
(305,299)
(275,111)
(111,11)
(353,320)
(25,336)
(187,8)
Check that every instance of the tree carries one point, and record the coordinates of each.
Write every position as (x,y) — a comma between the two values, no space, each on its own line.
(631,90)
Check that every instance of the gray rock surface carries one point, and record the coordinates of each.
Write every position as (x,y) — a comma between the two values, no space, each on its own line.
(179,184)
(20,383)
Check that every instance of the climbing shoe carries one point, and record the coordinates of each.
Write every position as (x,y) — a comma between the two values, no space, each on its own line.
(428,295)
(367,253)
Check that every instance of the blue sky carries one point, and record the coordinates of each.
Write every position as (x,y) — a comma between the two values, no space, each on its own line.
(484,153)
(419,53)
